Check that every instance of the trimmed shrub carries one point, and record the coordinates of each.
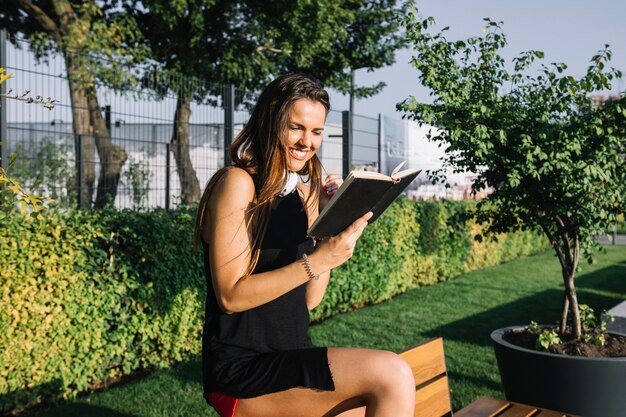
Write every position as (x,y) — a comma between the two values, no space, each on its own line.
(87,297)
(414,244)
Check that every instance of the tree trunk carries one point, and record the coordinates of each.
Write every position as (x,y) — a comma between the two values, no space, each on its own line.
(112,157)
(83,134)
(569,265)
(189,185)
(566,244)
(571,302)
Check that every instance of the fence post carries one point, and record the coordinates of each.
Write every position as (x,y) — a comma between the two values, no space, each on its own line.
(228,102)
(380,142)
(167,176)
(346,139)
(79,169)
(3,101)
(615,234)
(107,117)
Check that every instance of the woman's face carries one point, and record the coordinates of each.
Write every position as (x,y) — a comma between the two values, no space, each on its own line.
(304,134)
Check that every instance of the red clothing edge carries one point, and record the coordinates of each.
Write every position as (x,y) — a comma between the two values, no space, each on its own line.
(223,404)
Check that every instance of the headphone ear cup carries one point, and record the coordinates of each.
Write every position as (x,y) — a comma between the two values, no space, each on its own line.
(290,184)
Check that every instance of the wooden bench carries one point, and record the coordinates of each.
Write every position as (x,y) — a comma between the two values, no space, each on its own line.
(432,392)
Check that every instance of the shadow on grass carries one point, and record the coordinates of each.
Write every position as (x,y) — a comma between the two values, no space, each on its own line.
(189,372)
(543,307)
(79,410)
(611,279)
(484,383)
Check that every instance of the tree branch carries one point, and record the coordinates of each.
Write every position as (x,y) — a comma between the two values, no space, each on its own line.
(262,48)
(45,22)
(565,239)
(64,11)
(555,245)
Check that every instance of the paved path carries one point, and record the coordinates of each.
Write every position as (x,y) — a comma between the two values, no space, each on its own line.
(608,240)
(618,324)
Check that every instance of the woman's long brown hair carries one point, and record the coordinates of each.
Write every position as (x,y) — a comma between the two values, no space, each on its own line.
(261,150)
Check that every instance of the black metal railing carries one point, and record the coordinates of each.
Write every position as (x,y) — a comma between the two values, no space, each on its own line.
(58,158)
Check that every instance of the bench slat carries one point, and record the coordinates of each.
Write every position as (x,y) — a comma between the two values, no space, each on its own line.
(520,410)
(550,413)
(433,400)
(427,360)
(491,407)
(482,407)
(432,394)
(428,363)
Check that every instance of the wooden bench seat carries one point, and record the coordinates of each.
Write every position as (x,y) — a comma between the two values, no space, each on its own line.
(432,392)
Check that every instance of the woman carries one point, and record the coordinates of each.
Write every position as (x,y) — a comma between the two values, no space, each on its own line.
(264,275)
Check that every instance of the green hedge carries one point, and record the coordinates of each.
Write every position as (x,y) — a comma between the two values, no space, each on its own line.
(415,244)
(90,296)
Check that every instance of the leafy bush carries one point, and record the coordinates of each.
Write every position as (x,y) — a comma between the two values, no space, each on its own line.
(90,296)
(415,244)
(93,296)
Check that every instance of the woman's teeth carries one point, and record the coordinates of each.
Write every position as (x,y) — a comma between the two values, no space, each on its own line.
(298,154)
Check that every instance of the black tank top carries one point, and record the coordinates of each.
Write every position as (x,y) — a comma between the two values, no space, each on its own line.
(281,324)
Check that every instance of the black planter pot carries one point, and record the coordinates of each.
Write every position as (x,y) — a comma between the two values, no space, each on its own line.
(588,387)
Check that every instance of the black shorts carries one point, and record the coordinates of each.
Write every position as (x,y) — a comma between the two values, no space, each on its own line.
(249,375)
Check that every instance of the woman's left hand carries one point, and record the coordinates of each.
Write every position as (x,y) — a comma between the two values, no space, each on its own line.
(329,187)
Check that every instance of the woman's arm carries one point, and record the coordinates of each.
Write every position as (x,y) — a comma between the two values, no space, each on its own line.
(230,241)
(317,288)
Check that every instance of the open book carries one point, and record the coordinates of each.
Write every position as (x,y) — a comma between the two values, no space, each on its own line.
(361,192)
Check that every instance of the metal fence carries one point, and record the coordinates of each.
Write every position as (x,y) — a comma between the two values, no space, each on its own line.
(140,121)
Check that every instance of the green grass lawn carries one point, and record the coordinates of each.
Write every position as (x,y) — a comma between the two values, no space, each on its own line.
(463,311)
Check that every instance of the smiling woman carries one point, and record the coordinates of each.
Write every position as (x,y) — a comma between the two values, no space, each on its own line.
(264,275)
(306,124)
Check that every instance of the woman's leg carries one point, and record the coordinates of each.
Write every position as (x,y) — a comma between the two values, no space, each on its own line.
(355,412)
(381,381)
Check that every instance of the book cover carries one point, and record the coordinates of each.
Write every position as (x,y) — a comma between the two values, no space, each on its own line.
(361,192)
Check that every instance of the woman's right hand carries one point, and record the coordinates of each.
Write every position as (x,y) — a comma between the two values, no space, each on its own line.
(336,250)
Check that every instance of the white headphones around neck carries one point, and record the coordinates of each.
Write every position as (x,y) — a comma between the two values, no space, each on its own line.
(290,184)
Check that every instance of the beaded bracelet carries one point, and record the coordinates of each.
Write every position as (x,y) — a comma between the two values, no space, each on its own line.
(307,267)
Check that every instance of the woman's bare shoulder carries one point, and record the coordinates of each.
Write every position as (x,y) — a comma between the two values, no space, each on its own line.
(236,179)
(234,189)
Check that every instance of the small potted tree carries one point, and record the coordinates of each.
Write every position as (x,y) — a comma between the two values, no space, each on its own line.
(554,158)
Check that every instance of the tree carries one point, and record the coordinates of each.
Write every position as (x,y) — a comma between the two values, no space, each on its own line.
(248,42)
(329,38)
(554,158)
(186,40)
(82,32)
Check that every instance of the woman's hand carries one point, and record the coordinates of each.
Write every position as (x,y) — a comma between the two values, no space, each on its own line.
(329,187)
(332,252)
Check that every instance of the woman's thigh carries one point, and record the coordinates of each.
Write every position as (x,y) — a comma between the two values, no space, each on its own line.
(360,376)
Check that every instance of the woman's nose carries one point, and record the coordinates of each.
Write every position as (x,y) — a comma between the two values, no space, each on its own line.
(306,138)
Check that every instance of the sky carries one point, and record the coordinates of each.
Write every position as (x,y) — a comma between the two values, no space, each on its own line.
(569,31)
